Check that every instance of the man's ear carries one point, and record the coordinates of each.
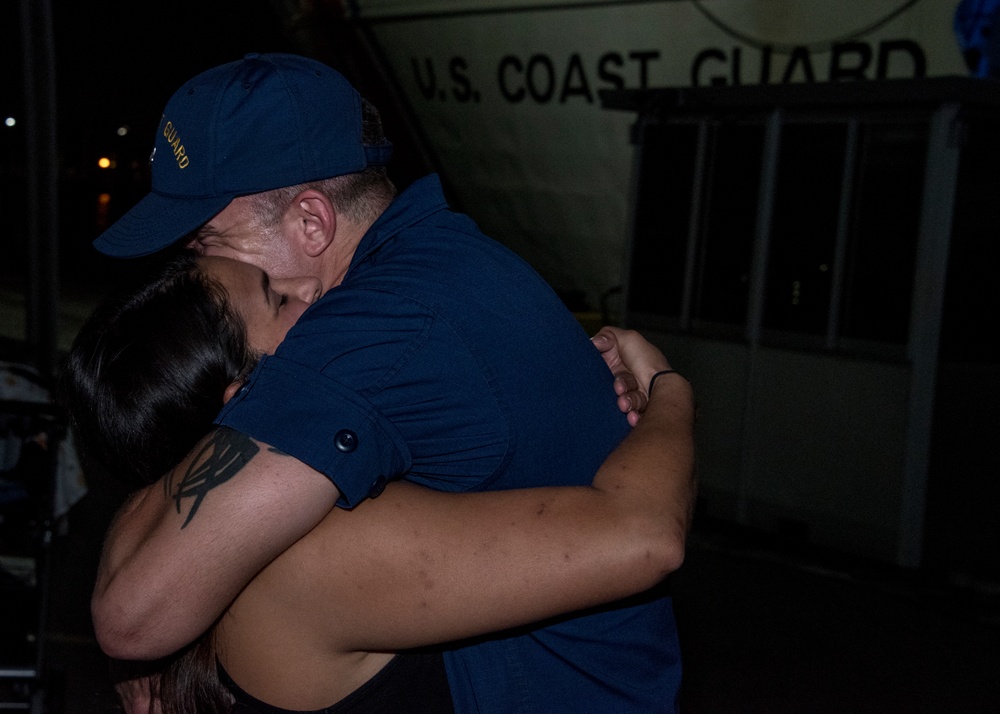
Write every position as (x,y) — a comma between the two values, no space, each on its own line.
(231,391)
(313,221)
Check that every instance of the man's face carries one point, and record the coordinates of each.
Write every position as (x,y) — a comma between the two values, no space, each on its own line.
(269,307)
(237,234)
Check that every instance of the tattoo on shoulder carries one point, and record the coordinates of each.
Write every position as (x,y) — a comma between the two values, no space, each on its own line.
(222,455)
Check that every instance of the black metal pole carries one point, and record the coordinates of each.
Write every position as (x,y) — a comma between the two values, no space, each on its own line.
(41,174)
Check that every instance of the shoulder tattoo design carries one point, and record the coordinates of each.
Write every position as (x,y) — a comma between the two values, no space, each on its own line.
(221,457)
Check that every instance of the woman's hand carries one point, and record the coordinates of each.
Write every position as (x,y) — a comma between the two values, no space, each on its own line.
(633,361)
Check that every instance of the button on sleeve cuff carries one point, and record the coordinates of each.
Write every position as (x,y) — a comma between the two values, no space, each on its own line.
(323,424)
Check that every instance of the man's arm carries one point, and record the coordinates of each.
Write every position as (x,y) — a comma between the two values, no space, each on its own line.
(182,549)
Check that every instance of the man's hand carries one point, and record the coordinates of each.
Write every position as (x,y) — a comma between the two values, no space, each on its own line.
(633,361)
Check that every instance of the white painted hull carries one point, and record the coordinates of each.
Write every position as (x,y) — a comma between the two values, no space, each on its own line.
(506,95)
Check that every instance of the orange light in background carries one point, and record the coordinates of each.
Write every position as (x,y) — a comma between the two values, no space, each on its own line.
(102,215)
(104,162)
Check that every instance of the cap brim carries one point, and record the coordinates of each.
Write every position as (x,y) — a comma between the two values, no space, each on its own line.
(157,222)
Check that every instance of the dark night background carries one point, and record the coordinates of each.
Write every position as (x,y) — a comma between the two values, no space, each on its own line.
(116,64)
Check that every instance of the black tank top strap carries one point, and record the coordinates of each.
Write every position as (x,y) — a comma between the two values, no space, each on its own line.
(411,683)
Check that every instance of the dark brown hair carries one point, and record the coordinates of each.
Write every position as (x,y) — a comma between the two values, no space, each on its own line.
(142,385)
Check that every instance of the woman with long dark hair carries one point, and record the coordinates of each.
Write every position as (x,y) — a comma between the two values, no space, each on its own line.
(337,622)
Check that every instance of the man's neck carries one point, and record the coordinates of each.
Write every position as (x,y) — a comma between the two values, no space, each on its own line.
(341,253)
(348,238)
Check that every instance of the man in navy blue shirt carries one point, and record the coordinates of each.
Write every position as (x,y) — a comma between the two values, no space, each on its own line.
(434,355)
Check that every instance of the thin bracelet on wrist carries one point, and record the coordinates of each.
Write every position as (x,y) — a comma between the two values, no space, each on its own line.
(652,380)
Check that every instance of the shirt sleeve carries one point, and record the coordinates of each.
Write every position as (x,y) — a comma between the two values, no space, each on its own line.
(319,421)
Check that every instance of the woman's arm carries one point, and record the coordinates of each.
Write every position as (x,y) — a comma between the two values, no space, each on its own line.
(415,567)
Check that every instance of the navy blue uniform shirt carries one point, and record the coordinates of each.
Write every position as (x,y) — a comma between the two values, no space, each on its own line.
(445,359)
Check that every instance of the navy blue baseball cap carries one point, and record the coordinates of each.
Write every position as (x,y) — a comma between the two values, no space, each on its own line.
(263,122)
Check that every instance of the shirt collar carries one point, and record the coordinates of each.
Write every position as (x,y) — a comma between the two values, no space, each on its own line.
(422,198)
